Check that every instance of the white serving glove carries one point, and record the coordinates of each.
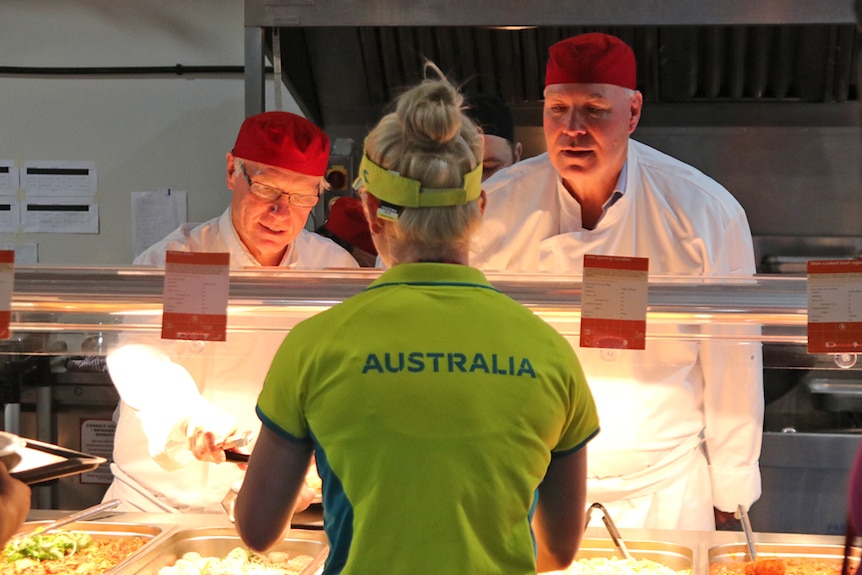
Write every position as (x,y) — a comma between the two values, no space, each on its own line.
(181,426)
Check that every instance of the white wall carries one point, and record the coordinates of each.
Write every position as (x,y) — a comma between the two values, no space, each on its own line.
(142,132)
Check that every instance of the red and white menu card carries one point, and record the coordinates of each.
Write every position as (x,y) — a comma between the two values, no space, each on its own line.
(614,302)
(834,306)
(196,296)
(7,283)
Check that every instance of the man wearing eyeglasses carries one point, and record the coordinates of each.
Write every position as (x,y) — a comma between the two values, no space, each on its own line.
(276,175)
(169,452)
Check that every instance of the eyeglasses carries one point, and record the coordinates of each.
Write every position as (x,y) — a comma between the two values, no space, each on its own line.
(271,194)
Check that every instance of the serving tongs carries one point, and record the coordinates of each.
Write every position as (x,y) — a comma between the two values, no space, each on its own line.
(742,515)
(77,516)
(611,527)
(241,440)
(771,566)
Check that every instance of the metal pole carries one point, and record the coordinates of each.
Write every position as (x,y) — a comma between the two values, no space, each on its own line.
(12,418)
(254,71)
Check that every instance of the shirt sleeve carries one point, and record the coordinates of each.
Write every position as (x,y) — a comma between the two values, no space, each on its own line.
(732,364)
(164,397)
(583,420)
(279,405)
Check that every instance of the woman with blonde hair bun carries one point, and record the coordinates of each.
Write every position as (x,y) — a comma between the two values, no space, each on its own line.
(449,423)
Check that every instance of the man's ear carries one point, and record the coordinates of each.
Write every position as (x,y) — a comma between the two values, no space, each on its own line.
(231,169)
(636,107)
(516,155)
(483,202)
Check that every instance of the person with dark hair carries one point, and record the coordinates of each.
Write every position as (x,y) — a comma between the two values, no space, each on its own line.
(449,423)
(169,453)
(494,118)
(682,419)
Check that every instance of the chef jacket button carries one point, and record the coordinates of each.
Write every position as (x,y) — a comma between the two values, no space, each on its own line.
(609,354)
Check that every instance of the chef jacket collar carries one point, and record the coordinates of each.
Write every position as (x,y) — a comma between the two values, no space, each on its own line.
(619,189)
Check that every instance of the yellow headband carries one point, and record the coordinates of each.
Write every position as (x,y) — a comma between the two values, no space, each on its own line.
(400,191)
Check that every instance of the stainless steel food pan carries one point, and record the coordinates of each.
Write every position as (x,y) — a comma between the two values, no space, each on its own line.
(832,554)
(672,555)
(218,542)
(151,534)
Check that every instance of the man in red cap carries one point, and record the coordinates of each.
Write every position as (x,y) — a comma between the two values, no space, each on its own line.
(168,455)
(276,174)
(681,421)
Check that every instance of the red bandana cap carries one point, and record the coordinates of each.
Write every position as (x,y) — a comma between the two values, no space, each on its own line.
(593,58)
(283,140)
(347,222)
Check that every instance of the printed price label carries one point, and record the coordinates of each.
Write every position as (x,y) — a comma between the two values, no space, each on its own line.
(196,296)
(614,302)
(7,283)
(834,306)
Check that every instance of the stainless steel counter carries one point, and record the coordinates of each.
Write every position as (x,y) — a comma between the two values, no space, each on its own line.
(679,550)
(168,536)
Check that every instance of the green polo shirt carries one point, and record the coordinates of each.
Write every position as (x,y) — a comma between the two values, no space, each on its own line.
(435,404)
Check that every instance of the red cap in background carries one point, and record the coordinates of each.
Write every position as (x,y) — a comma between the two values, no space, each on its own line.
(347,222)
(593,58)
(283,140)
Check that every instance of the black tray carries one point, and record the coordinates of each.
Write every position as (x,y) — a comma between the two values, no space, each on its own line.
(42,462)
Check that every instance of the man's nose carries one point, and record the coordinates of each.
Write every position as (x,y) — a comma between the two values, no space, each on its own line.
(574,124)
(281,205)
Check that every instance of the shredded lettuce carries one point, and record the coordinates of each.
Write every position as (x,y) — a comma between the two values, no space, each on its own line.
(43,547)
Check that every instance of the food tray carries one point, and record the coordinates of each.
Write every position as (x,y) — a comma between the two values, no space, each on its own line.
(218,542)
(151,534)
(738,552)
(40,462)
(673,555)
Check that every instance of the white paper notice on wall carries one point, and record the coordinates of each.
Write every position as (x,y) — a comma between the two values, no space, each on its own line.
(68,215)
(8,178)
(10,218)
(155,215)
(59,197)
(10,213)
(53,179)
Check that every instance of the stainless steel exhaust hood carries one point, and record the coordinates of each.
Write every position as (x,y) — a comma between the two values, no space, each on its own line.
(760,95)
(344,60)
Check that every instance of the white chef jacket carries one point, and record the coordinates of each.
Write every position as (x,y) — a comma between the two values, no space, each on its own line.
(666,409)
(153,469)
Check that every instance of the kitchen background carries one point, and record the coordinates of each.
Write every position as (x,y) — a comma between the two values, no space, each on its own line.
(143,131)
(792,161)
(791,156)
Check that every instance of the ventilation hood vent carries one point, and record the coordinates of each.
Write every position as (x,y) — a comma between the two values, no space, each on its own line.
(347,74)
